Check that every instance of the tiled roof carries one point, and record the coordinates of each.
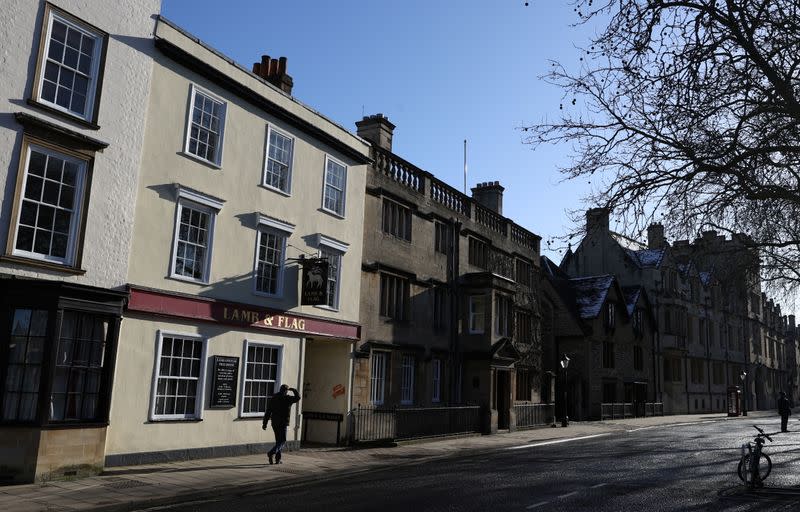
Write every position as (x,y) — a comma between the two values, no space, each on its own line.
(646,258)
(590,294)
(632,294)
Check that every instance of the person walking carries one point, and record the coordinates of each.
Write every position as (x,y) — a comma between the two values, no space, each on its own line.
(784,409)
(278,407)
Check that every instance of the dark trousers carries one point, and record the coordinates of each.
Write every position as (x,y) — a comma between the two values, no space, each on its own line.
(280,440)
(784,422)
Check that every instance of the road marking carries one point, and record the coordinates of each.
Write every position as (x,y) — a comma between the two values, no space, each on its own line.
(536,505)
(545,443)
(670,425)
(567,495)
(596,486)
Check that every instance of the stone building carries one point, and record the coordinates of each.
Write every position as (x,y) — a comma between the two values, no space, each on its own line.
(240,184)
(607,332)
(715,328)
(449,292)
(75,77)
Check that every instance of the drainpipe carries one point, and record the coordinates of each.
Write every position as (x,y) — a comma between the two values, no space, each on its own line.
(456,367)
(299,387)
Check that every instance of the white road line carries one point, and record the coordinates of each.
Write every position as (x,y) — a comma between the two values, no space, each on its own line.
(545,443)
(596,486)
(670,425)
(567,495)
(536,505)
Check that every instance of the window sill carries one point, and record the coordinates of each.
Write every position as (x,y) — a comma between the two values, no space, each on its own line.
(63,114)
(196,158)
(275,190)
(187,280)
(332,213)
(153,421)
(327,308)
(30,262)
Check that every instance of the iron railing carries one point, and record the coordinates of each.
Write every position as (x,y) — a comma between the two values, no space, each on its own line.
(398,423)
(533,415)
(615,411)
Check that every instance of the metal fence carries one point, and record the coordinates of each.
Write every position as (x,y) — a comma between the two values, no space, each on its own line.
(614,411)
(397,423)
(533,415)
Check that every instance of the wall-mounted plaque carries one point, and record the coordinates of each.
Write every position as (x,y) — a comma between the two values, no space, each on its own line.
(224,381)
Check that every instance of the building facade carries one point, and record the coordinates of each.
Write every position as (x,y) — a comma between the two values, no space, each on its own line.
(449,293)
(607,332)
(75,75)
(715,327)
(240,185)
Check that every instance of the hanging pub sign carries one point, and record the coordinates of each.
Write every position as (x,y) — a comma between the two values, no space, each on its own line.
(223,381)
(315,280)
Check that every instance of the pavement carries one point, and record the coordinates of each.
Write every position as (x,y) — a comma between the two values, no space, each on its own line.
(154,485)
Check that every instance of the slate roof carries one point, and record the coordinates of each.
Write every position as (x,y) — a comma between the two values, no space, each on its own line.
(632,294)
(646,258)
(590,294)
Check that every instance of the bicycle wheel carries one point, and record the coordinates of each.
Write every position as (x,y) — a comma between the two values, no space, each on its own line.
(764,468)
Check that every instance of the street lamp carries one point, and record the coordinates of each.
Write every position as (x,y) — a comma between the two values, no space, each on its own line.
(564,364)
(743,376)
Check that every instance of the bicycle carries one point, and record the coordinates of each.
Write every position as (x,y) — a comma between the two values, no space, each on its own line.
(751,469)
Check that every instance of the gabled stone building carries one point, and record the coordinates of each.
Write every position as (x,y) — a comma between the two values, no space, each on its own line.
(715,328)
(607,332)
(449,292)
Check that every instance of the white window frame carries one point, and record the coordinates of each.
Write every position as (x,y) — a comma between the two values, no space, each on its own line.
(328,159)
(436,370)
(284,230)
(190,198)
(288,192)
(377,377)
(193,91)
(338,248)
(247,344)
(473,326)
(407,365)
(94,74)
(201,380)
(77,207)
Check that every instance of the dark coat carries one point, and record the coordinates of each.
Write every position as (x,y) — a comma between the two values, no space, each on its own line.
(278,407)
(784,408)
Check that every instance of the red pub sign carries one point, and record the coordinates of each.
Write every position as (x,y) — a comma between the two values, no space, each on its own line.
(237,314)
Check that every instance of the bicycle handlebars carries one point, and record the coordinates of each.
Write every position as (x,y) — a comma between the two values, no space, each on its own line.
(761,433)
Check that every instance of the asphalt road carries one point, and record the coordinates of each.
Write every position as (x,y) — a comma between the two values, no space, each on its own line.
(689,467)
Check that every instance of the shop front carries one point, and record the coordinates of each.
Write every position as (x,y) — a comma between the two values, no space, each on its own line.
(194,376)
(56,372)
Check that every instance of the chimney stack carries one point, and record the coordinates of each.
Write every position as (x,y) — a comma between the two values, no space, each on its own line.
(490,195)
(597,220)
(376,129)
(274,72)
(655,236)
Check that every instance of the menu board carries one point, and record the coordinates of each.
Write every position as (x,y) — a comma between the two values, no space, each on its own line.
(223,381)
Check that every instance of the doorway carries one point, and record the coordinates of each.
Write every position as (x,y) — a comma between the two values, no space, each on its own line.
(502,398)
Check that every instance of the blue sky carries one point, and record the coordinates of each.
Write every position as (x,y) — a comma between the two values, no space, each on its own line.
(441,70)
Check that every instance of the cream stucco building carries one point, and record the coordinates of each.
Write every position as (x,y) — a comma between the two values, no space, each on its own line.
(239,184)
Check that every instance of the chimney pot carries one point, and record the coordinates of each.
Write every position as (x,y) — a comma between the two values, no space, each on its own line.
(655,236)
(377,129)
(274,72)
(597,220)
(490,195)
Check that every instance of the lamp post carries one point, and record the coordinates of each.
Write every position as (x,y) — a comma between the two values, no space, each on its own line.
(564,364)
(743,376)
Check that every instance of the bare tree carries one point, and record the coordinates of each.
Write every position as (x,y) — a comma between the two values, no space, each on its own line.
(687,112)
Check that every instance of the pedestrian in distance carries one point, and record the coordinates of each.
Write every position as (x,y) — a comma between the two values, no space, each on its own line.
(278,407)
(784,409)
